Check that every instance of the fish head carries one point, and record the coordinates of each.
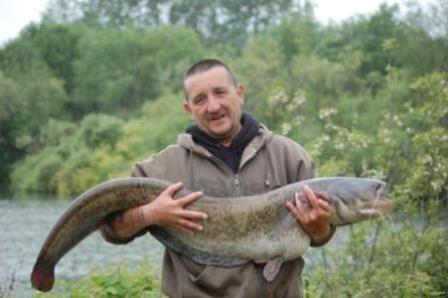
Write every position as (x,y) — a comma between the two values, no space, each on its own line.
(357,199)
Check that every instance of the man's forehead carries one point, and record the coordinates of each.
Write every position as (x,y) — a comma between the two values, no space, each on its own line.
(215,75)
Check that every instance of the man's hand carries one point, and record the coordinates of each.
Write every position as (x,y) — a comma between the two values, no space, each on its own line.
(312,212)
(165,211)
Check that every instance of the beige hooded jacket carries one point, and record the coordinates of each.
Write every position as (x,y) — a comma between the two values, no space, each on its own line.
(268,162)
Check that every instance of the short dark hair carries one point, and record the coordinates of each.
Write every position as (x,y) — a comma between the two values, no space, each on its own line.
(207,64)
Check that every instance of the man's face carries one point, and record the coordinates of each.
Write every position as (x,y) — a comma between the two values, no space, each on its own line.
(214,103)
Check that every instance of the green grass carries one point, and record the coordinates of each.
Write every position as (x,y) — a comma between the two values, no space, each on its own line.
(122,280)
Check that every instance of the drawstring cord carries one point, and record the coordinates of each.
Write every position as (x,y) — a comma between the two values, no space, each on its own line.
(269,167)
(190,153)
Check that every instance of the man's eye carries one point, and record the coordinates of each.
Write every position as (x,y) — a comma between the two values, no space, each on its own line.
(198,100)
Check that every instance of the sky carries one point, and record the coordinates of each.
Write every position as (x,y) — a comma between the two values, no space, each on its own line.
(16,14)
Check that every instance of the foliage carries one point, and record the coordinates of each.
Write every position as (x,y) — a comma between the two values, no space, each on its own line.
(416,132)
(427,128)
(404,257)
(10,128)
(131,67)
(97,130)
(216,21)
(101,148)
(24,108)
(96,87)
(56,44)
(369,259)
(119,281)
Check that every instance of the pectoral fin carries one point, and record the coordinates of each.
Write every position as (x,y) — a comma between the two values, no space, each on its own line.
(272,268)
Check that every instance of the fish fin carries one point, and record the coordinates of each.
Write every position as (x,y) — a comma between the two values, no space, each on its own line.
(272,268)
(42,277)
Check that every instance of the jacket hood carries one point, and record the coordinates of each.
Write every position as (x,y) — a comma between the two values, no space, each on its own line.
(263,137)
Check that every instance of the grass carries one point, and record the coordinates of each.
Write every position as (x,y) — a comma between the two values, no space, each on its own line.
(122,280)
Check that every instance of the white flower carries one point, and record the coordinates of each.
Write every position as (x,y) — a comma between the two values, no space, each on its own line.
(327,112)
(286,128)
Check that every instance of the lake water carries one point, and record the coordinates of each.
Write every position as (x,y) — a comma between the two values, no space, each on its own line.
(24,226)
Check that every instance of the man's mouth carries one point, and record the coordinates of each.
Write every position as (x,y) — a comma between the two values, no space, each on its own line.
(217,118)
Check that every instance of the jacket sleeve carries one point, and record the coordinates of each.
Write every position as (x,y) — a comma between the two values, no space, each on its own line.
(325,240)
(109,234)
(107,231)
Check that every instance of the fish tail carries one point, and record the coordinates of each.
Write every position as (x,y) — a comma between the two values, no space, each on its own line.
(42,277)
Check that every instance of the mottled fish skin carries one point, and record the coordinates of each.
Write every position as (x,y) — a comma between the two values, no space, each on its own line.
(238,230)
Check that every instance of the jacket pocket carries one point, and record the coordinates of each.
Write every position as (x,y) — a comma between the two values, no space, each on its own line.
(193,269)
(197,277)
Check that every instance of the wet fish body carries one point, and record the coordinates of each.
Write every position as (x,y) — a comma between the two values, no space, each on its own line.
(238,230)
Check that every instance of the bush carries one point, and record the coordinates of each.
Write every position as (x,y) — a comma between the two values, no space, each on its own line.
(401,257)
(116,282)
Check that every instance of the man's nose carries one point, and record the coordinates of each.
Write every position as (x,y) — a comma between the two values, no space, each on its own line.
(213,104)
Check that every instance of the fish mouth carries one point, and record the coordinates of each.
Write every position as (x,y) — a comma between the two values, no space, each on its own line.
(376,210)
(371,212)
(382,205)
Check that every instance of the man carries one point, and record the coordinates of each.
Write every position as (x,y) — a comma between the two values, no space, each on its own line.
(225,153)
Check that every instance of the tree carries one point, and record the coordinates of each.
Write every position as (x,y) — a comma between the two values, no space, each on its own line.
(120,69)
(57,46)
(216,21)
(12,120)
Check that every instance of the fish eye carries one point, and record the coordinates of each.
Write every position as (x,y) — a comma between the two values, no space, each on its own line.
(378,186)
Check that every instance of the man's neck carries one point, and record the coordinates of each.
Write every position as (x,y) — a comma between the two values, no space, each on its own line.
(227,142)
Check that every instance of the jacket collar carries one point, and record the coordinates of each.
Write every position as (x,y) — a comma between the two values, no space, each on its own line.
(262,138)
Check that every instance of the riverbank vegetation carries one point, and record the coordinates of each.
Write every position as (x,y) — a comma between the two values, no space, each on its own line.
(94,88)
(119,281)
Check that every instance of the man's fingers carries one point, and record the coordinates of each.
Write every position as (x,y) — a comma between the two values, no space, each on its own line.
(189,225)
(324,205)
(322,195)
(291,208)
(300,212)
(297,209)
(318,200)
(190,198)
(190,214)
(172,189)
(309,193)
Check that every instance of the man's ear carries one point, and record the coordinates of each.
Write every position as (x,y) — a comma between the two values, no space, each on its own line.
(187,108)
(240,91)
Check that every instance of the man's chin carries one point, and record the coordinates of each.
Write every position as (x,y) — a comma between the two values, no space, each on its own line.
(220,135)
(220,129)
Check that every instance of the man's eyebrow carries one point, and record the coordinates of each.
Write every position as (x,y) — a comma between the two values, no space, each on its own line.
(201,94)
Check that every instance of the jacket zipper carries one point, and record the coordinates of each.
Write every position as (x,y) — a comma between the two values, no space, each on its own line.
(262,284)
(236,185)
